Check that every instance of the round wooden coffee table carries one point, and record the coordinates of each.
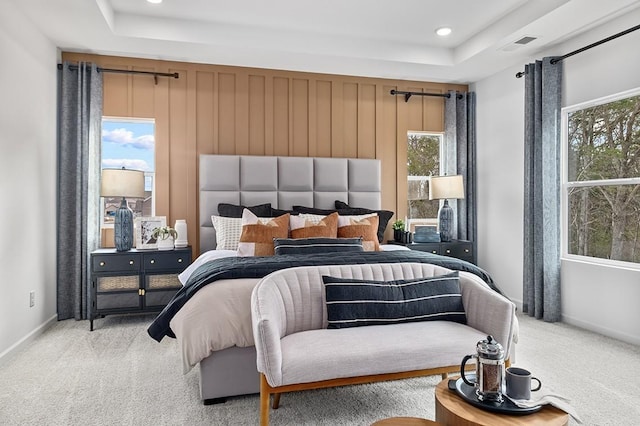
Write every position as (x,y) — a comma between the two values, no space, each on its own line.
(404,421)
(452,410)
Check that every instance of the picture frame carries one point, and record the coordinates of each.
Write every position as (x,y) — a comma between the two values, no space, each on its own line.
(144,227)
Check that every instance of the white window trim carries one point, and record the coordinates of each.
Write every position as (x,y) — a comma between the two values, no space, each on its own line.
(441,165)
(565,184)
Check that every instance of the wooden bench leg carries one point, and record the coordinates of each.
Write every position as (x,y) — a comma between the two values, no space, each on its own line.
(444,375)
(264,401)
(276,401)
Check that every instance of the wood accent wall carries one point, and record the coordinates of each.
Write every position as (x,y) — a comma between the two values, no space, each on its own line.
(213,109)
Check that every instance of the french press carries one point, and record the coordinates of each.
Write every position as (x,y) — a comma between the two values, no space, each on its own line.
(489,370)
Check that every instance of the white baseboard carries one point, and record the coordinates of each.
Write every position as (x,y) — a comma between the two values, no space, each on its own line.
(625,337)
(8,354)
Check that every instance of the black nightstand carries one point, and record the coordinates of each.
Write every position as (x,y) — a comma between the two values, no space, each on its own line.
(461,249)
(134,281)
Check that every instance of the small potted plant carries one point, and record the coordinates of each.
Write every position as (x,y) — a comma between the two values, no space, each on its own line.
(165,235)
(398,230)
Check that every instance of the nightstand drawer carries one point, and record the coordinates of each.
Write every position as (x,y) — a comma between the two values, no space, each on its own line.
(169,260)
(459,250)
(123,263)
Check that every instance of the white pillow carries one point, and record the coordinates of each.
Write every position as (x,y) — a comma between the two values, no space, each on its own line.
(228,231)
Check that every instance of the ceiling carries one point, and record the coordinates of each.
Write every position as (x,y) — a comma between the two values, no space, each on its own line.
(389,39)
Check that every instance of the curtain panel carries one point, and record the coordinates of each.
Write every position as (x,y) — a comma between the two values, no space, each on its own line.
(79,135)
(543,96)
(460,158)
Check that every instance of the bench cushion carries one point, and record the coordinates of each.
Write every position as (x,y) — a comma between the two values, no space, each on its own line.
(325,354)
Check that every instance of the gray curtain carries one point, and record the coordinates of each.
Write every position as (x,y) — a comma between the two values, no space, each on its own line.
(460,158)
(79,134)
(543,95)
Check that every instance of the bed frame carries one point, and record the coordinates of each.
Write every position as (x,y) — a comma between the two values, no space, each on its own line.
(283,182)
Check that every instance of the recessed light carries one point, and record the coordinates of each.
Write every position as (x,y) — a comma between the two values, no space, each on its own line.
(155,1)
(443,31)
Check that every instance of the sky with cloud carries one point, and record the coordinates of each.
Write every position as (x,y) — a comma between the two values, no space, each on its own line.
(128,143)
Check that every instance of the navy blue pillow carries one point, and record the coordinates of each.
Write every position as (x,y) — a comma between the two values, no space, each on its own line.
(316,245)
(355,303)
(235,210)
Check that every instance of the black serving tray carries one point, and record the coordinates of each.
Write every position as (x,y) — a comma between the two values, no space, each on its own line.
(468,393)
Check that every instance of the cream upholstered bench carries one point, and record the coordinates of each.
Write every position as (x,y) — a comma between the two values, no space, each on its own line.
(296,350)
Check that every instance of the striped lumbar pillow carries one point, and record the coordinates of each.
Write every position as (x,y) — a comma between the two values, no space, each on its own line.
(316,245)
(354,303)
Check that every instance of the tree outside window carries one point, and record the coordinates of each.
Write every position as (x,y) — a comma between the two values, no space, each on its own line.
(423,160)
(603,180)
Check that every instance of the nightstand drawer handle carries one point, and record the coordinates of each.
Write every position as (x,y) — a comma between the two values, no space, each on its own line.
(179,260)
(152,261)
(448,251)
(466,250)
(102,263)
(434,251)
(131,262)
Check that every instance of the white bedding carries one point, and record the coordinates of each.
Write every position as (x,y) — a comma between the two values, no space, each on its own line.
(219,316)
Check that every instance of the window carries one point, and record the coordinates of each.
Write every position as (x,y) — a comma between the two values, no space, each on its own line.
(602,178)
(129,143)
(423,160)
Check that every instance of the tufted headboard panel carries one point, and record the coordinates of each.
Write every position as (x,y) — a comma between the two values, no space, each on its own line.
(283,182)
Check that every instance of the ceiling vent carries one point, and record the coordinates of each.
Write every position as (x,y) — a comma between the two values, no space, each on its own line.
(525,40)
(518,43)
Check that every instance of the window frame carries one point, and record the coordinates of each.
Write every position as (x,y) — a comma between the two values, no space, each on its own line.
(441,163)
(566,184)
(152,175)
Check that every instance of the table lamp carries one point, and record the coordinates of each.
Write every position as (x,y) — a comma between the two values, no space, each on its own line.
(444,188)
(122,183)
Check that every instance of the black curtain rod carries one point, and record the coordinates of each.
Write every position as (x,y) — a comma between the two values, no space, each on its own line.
(116,71)
(408,95)
(582,49)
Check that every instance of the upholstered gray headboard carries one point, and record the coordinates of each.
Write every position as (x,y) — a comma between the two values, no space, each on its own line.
(283,182)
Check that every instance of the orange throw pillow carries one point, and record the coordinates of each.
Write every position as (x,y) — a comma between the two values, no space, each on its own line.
(303,228)
(258,233)
(366,228)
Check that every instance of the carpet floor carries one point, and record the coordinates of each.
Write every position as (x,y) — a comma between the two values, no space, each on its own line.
(118,375)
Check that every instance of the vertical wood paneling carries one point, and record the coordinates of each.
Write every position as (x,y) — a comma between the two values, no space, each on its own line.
(242,113)
(143,86)
(415,105)
(162,116)
(323,119)
(226,113)
(337,120)
(386,126)
(205,113)
(176,150)
(367,121)
(233,110)
(280,116)
(256,115)
(300,117)
(433,111)
(115,102)
(350,117)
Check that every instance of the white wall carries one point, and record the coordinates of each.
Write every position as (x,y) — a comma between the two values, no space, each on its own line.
(27,178)
(598,298)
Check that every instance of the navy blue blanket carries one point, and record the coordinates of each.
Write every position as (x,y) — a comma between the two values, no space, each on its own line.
(258,267)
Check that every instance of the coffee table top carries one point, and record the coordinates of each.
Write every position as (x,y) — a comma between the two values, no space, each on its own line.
(404,421)
(452,410)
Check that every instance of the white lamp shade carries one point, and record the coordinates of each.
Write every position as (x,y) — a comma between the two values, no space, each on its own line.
(446,187)
(122,183)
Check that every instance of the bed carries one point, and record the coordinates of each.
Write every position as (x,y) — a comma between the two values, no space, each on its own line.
(210,316)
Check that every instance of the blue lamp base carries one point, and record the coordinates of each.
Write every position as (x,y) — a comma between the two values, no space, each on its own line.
(123,227)
(445,222)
